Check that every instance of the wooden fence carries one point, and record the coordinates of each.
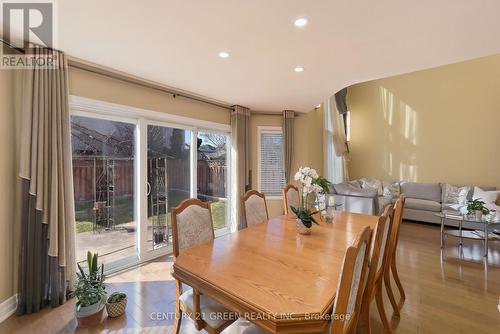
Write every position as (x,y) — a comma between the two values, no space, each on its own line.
(211,177)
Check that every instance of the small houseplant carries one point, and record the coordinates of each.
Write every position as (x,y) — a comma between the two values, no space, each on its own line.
(311,183)
(90,289)
(477,207)
(116,304)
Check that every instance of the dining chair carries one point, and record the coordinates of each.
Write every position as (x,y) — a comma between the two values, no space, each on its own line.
(192,225)
(253,208)
(349,287)
(393,243)
(377,265)
(291,197)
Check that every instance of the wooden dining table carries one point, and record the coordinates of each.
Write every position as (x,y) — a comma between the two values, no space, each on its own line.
(281,281)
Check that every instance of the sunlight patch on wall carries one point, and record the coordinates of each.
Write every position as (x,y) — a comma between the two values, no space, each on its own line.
(407,172)
(409,122)
(387,102)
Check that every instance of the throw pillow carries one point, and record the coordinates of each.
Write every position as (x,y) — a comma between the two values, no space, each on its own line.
(372,184)
(455,195)
(488,197)
(391,189)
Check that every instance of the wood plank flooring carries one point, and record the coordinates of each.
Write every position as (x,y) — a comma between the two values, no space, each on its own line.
(453,292)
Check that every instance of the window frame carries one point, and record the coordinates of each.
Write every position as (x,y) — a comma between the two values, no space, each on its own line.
(260,131)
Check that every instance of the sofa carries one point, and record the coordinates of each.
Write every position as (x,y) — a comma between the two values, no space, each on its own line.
(423,200)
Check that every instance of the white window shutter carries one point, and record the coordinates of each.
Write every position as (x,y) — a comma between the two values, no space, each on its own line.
(272,176)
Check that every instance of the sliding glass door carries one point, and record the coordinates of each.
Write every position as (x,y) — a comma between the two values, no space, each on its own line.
(212,176)
(168,179)
(129,172)
(103,176)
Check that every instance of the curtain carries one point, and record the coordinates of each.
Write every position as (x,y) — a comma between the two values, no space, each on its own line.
(240,181)
(336,151)
(47,244)
(288,117)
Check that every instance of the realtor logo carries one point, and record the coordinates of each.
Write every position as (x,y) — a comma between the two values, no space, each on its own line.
(26,26)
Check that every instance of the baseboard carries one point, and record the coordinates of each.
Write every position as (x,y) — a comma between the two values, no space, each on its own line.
(8,307)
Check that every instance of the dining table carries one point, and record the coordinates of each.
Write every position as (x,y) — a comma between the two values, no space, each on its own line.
(282,281)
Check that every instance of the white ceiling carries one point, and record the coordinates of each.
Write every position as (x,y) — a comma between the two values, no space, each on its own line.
(176,43)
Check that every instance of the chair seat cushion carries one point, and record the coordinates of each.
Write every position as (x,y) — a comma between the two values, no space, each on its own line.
(256,330)
(422,204)
(213,313)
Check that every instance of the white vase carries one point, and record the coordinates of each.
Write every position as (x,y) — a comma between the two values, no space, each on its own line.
(478,214)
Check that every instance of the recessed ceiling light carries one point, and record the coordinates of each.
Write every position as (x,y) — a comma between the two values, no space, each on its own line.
(299,69)
(300,22)
(223,54)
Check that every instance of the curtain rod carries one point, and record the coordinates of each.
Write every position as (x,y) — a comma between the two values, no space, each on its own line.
(138,82)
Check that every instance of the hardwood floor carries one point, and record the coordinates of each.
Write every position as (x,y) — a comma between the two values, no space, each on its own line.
(445,293)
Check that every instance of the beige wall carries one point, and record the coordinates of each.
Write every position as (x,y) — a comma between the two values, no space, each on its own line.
(87,84)
(307,151)
(7,180)
(440,124)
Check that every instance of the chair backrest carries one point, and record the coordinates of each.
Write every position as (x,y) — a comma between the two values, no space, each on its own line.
(254,208)
(396,224)
(291,197)
(191,224)
(377,249)
(349,288)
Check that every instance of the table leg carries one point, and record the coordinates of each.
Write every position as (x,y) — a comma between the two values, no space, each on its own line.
(442,232)
(485,240)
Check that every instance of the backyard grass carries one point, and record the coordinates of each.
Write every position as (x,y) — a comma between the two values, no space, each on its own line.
(124,212)
(83,226)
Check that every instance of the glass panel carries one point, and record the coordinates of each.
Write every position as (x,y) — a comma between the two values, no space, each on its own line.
(212,175)
(103,176)
(169,179)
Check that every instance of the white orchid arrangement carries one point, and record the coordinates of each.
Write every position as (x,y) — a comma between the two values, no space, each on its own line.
(311,183)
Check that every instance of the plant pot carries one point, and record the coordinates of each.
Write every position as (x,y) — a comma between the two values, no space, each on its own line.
(478,214)
(116,309)
(301,228)
(85,311)
(93,319)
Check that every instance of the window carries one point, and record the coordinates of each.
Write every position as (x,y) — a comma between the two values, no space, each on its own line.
(131,167)
(271,177)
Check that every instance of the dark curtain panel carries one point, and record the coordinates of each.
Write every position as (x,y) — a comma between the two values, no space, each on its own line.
(41,279)
(340,100)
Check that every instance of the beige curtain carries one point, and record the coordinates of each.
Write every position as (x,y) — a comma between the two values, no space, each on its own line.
(47,259)
(240,181)
(288,117)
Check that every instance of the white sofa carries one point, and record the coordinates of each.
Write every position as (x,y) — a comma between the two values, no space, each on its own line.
(423,200)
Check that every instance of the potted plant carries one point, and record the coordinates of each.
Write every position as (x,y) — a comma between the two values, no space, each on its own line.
(90,292)
(309,180)
(477,207)
(116,304)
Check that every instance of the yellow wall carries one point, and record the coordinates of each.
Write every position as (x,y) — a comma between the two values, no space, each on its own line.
(7,180)
(307,143)
(441,124)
